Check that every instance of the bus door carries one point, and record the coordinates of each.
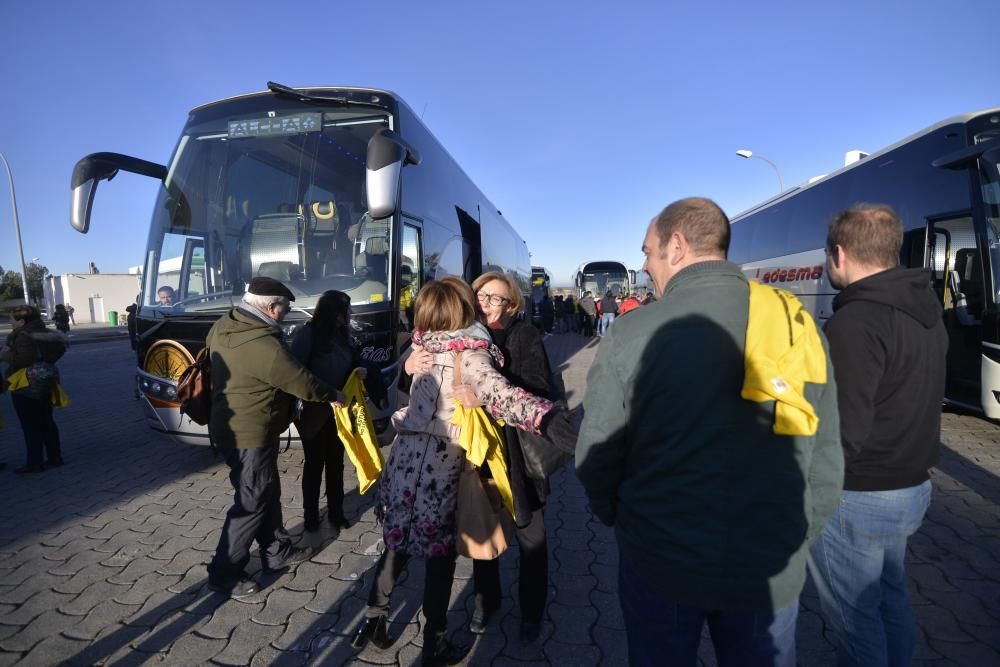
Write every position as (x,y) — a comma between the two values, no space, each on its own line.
(953,255)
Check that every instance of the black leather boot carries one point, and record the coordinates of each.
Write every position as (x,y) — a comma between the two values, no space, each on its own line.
(438,651)
(375,630)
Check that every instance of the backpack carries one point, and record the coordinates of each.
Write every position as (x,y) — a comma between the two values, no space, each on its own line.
(194,388)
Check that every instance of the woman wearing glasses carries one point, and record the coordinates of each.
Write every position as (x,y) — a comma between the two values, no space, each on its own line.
(499,300)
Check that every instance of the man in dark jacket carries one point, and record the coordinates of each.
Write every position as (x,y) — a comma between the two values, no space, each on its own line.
(713,510)
(888,344)
(255,379)
(609,308)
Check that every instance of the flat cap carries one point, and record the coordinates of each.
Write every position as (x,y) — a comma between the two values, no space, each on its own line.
(264,286)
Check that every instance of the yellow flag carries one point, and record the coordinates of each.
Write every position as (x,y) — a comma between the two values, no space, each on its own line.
(482,441)
(354,425)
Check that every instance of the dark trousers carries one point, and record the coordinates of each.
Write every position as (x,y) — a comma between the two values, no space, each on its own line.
(323,451)
(254,516)
(533,580)
(437,588)
(662,632)
(588,324)
(41,435)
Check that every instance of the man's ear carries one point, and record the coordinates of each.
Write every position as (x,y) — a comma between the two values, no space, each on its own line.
(677,248)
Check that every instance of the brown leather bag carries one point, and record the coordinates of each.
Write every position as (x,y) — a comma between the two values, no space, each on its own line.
(194,388)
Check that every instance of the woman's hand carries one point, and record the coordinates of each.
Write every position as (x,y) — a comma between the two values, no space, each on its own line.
(419,362)
(463,394)
(340,401)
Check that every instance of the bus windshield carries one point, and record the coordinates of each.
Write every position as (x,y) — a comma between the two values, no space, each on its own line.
(268,193)
(599,282)
(990,175)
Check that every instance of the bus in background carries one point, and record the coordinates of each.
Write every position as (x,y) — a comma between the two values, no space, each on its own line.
(601,276)
(944,184)
(321,188)
(540,284)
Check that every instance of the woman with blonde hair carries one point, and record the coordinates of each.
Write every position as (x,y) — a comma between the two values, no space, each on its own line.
(418,490)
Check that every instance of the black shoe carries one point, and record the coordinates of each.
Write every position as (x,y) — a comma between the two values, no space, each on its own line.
(375,630)
(442,652)
(480,619)
(55,463)
(294,556)
(311,525)
(28,470)
(530,632)
(338,521)
(239,590)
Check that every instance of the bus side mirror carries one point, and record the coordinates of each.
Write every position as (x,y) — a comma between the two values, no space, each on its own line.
(631,277)
(578,280)
(387,154)
(98,167)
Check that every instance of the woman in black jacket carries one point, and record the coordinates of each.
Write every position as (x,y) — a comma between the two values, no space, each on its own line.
(527,366)
(324,347)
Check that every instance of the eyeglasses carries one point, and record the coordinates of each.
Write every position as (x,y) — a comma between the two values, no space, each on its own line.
(492,299)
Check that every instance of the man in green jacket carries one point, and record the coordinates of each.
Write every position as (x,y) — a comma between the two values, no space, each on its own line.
(255,380)
(713,512)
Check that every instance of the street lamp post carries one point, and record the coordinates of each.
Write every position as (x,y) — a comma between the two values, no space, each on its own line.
(17,229)
(745,154)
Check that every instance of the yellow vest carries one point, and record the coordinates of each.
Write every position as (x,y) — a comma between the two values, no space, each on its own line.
(483,441)
(783,352)
(356,431)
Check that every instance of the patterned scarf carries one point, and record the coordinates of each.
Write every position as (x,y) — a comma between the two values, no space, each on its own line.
(473,337)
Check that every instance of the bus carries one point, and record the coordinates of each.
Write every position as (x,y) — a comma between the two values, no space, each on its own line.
(943,182)
(541,282)
(601,276)
(321,188)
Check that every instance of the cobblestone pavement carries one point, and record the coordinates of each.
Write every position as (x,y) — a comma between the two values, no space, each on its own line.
(103,560)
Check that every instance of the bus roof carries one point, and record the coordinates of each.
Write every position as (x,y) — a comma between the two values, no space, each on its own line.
(960,119)
(313,89)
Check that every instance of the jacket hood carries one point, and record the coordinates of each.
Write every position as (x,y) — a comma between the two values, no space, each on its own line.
(906,290)
(238,327)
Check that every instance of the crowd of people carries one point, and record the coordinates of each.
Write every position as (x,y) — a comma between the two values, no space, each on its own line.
(731,442)
(587,315)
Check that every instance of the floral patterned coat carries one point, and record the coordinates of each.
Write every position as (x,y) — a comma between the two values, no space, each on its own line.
(419,486)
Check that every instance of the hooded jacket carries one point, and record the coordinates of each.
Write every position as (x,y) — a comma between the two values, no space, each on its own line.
(254,377)
(31,341)
(888,344)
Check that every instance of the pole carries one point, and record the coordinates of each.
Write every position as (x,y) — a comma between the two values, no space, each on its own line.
(17,230)
(781,184)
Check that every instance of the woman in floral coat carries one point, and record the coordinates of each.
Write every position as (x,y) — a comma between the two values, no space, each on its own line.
(419,486)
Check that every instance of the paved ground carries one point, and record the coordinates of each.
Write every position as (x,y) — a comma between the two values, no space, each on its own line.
(103,561)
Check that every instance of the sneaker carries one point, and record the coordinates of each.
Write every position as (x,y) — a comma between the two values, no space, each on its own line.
(294,556)
(241,589)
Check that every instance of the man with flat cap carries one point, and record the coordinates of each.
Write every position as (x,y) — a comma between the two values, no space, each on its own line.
(255,380)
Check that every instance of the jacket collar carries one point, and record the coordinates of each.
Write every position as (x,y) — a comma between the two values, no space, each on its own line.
(690,274)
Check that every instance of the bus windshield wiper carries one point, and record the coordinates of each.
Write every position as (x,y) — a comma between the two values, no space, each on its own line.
(301,96)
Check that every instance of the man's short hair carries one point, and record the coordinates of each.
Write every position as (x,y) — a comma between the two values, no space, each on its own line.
(262,302)
(166,288)
(871,233)
(700,221)
(444,305)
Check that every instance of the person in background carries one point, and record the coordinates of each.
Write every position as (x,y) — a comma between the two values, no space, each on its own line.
(609,308)
(714,505)
(588,313)
(61,318)
(28,342)
(888,344)
(254,380)
(547,311)
(569,315)
(629,303)
(324,346)
(418,489)
(165,296)
(69,311)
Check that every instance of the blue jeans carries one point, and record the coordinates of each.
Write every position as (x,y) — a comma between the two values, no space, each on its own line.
(605,323)
(661,632)
(857,565)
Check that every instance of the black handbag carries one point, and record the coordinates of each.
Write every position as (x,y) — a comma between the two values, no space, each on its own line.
(541,457)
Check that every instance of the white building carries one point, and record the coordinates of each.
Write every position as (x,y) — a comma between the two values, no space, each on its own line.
(93,295)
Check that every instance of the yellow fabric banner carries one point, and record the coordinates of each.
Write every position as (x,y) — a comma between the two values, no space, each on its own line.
(354,425)
(783,351)
(19,380)
(482,441)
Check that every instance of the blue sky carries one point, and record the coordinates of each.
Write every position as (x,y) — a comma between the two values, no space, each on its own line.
(580,121)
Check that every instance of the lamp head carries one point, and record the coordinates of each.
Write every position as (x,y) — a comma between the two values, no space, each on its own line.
(744,153)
